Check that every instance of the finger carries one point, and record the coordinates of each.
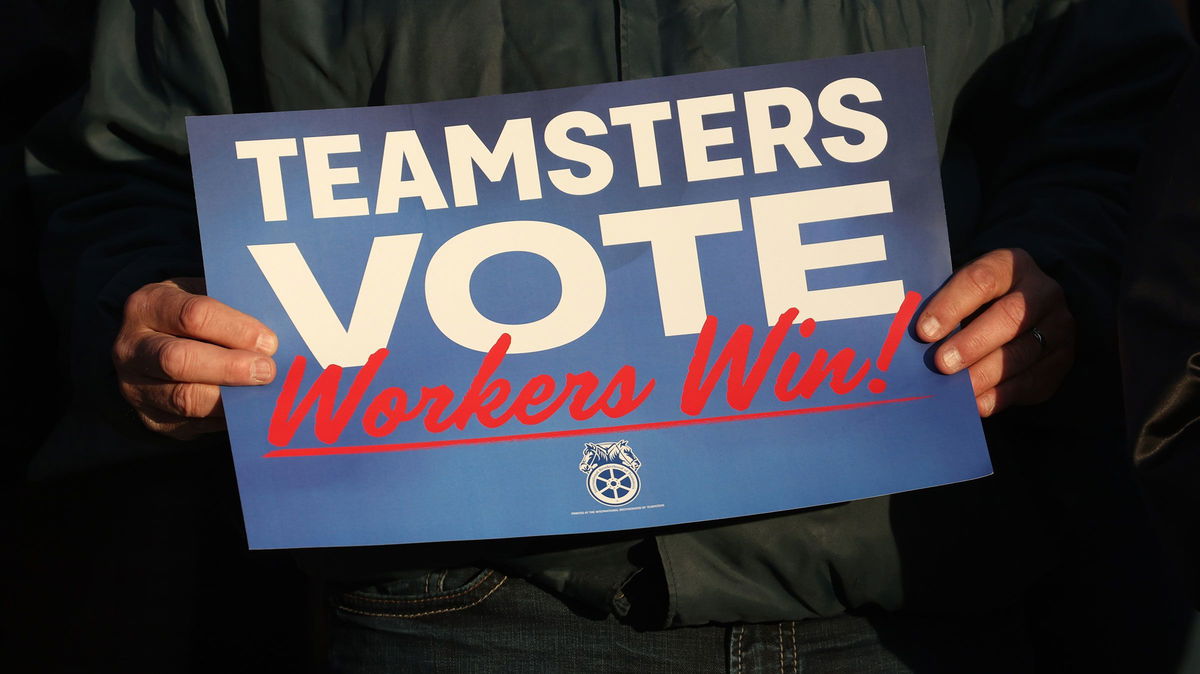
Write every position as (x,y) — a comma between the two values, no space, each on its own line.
(1036,384)
(180,428)
(184,400)
(1006,362)
(169,308)
(158,356)
(1002,322)
(979,282)
(1020,382)
(1020,353)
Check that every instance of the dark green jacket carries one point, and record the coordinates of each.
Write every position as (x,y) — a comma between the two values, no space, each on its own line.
(1039,108)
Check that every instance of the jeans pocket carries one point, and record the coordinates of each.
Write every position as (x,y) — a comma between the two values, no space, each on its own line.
(423,593)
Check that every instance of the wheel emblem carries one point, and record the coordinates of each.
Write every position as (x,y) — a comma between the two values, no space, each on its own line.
(613,484)
(611,469)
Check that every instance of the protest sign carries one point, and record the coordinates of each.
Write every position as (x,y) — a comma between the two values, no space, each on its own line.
(605,307)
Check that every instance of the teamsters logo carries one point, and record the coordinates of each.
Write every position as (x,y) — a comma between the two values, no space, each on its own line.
(611,469)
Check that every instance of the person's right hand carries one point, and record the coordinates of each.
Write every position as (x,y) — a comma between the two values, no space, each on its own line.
(176,346)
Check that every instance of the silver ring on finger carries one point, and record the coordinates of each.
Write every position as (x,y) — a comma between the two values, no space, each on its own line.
(1039,338)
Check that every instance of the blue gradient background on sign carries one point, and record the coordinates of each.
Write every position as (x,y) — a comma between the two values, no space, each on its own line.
(532,487)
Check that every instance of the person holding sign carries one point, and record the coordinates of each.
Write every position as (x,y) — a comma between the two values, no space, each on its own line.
(177,346)
(1039,111)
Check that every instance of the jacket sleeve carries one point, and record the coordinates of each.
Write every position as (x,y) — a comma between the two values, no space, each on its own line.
(109,172)
(1056,122)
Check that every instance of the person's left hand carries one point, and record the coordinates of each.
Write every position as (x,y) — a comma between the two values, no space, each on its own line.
(1018,340)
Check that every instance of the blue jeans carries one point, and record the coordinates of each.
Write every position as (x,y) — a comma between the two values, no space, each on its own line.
(479,620)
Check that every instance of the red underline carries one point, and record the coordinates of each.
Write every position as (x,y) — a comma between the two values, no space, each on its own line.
(432,444)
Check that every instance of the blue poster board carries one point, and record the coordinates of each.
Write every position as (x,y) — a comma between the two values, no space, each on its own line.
(604,307)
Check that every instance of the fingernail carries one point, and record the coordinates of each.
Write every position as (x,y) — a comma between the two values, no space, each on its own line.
(951,360)
(266,344)
(930,327)
(987,403)
(260,372)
